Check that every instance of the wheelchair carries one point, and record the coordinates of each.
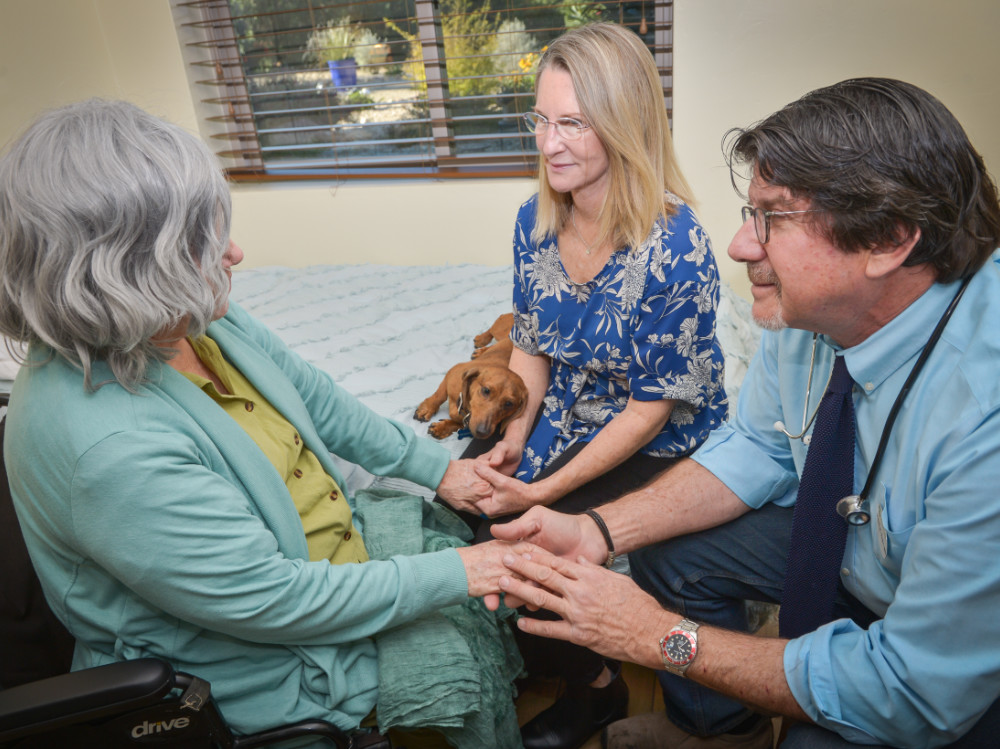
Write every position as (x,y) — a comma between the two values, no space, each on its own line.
(142,702)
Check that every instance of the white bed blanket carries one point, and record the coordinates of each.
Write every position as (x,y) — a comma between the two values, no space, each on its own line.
(388,334)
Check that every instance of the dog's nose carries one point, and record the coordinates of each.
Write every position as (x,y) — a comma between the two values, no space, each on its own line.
(482,431)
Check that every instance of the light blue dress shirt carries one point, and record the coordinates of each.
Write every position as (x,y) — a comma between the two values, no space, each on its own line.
(929,560)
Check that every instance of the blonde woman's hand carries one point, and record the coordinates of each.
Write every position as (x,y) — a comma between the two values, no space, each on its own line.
(509,495)
(504,457)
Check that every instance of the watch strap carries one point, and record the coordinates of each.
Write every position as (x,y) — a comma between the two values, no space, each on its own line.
(685,628)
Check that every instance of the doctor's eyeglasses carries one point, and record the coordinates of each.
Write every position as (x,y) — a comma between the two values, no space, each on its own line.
(762,219)
(566,127)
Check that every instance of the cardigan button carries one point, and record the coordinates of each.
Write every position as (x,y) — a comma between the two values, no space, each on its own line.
(347,535)
(297,473)
(248,406)
(334,494)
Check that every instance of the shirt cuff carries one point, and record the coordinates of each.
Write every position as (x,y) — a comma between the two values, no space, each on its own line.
(809,672)
(438,577)
(427,463)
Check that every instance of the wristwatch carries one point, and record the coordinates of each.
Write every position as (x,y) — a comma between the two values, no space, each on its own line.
(679,646)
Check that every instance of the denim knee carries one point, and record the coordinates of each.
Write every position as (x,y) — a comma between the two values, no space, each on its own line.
(652,570)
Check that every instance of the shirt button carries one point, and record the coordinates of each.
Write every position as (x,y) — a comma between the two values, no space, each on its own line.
(297,473)
(869,386)
(248,406)
(347,535)
(845,572)
(334,494)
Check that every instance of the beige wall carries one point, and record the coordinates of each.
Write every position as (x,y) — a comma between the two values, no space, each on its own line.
(56,51)
(735,62)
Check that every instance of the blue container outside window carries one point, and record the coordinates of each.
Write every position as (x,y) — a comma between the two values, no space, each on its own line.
(344,73)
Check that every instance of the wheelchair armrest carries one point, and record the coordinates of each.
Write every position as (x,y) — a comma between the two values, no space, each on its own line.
(83,695)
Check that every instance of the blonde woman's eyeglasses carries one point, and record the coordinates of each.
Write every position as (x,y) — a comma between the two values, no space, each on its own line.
(566,127)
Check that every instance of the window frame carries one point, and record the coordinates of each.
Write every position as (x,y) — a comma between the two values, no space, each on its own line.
(228,118)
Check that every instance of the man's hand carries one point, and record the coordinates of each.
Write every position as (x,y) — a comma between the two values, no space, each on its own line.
(570,536)
(599,609)
(462,488)
(608,613)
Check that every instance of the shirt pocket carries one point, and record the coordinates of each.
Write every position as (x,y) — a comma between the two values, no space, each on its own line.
(889,535)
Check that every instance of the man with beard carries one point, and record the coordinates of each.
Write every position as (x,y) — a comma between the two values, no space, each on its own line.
(856,483)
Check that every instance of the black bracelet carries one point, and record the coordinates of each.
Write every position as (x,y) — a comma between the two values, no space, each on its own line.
(604,532)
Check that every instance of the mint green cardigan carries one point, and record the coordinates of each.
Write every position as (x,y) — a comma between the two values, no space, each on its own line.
(158,528)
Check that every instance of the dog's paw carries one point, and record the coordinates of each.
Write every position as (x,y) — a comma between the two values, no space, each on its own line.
(483,340)
(424,412)
(441,429)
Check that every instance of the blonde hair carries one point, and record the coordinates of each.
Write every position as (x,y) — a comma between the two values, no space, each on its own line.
(618,88)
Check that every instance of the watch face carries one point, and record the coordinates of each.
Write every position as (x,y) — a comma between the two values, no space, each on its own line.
(679,648)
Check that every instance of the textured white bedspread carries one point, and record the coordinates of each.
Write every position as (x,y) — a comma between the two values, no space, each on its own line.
(388,334)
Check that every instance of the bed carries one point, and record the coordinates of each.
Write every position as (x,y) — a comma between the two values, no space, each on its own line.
(388,334)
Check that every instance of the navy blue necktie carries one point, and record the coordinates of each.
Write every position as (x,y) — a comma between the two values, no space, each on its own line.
(818,532)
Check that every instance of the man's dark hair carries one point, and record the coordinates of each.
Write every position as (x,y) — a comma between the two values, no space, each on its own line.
(880,158)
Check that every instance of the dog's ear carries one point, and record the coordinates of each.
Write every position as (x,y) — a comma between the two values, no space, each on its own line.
(468,378)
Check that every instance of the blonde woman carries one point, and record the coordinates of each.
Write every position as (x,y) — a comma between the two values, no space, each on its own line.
(615,296)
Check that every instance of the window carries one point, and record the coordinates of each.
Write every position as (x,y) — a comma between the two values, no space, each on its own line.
(386,88)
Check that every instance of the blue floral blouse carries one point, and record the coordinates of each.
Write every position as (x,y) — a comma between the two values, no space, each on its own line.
(643,327)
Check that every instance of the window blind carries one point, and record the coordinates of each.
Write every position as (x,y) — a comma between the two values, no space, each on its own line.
(299,89)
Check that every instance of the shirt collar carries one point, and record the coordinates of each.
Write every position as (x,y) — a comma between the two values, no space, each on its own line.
(880,355)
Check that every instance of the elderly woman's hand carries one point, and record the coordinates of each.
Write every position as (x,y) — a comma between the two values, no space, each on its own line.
(462,488)
(484,566)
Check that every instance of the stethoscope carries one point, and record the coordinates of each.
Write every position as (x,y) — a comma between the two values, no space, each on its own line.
(854,508)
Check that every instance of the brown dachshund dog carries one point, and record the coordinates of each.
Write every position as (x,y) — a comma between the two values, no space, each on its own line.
(483,394)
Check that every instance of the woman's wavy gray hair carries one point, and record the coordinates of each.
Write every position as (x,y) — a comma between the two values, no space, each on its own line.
(113,224)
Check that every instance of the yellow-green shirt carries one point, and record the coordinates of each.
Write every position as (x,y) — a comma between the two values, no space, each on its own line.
(322,506)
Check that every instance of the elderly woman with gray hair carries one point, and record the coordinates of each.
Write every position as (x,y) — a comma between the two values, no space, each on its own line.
(169,457)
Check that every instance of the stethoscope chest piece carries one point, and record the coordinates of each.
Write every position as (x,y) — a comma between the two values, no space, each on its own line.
(852,509)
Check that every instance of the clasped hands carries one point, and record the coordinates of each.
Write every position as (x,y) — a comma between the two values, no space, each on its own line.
(493,567)
(484,486)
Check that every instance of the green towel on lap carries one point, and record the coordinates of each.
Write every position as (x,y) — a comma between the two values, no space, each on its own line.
(451,670)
